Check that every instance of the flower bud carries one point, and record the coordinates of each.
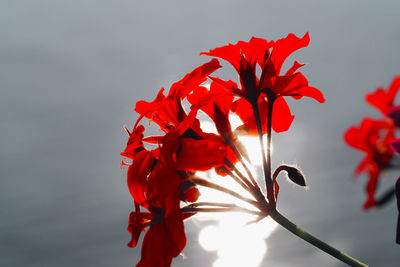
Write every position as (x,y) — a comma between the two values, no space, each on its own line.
(293,174)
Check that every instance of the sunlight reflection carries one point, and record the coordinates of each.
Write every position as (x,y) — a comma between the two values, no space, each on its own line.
(236,240)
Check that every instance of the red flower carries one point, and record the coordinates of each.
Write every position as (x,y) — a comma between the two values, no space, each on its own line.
(167,111)
(382,99)
(271,85)
(372,137)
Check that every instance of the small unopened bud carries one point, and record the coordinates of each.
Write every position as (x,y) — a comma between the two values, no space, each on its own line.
(189,192)
(293,174)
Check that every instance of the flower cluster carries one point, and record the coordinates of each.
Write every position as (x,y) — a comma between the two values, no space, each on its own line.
(162,169)
(377,140)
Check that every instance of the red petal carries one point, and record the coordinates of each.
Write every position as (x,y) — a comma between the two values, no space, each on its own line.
(230,53)
(174,224)
(163,182)
(156,247)
(295,85)
(363,165)
(193,79)
(255,50)
(294,68)
(135,143)
(205,99)
(230,86)
(394,88)
(137,175)
(137,222)
(371,187)
(281,116)
(379,100)
(200,155)
(243,109)
(383,99)
(163,111)
(285,47)
(153,139)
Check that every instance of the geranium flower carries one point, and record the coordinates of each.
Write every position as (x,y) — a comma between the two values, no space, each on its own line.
(383,100)
(270,86)
(372,137)
(167,111)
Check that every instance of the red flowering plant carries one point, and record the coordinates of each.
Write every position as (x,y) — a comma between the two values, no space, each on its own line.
(376,138)
(163,181)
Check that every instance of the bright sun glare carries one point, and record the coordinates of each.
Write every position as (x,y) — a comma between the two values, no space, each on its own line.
(235,238)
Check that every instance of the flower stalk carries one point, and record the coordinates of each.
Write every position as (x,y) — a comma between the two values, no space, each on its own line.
(266,159)
(293,228)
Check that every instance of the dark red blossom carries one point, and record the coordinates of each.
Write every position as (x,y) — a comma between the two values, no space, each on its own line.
(270,85)
(372,137)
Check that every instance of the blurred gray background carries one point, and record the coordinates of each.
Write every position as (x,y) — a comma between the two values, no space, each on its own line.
(71,72)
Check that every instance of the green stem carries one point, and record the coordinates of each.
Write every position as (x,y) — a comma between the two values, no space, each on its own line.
(283,221)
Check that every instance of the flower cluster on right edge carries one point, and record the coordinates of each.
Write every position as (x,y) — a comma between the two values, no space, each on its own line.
(376,138)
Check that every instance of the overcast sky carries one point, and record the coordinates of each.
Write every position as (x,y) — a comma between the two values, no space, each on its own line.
(71,72)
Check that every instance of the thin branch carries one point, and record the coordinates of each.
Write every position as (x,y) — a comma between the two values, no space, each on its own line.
(241,176)
(255,191)
(236,179)
(239,156)
(214,186)
(227,209)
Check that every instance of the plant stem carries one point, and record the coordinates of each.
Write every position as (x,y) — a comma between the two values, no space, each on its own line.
(214,186)
(254,190)
(223,209)
(283,221)
(266,158)
(241,176)
(236,179)
(239,156)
